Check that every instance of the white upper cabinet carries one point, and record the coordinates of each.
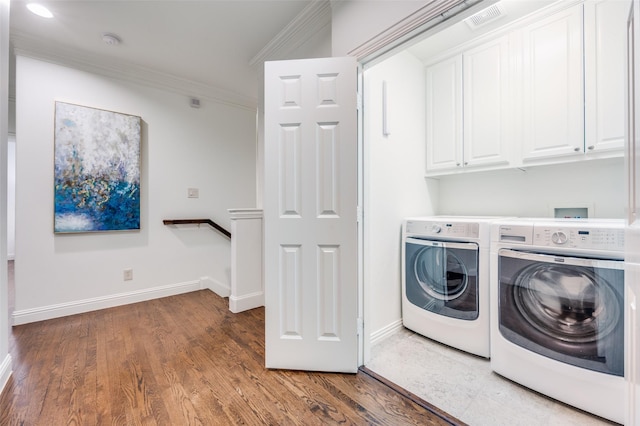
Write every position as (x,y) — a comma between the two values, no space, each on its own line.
(486,97)
(552,86)
(545,90)
(467,98)
(444,114)
(604,56)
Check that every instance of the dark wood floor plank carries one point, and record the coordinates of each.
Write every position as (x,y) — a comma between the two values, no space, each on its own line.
(181,360)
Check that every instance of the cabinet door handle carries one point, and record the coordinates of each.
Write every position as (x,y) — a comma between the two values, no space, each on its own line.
(590,147)
(457,164)
(576,149)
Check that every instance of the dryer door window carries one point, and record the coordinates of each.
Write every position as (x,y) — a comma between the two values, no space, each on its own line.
(442,277)
(568,309)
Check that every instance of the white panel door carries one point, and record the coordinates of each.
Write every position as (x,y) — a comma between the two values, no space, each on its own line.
(605,52)
(444,114)
(486,97)
(310,221)
(553,117)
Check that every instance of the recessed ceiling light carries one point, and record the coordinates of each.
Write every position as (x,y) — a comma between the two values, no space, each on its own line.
(39,10)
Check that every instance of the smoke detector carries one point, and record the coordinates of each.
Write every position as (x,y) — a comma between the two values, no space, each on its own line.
(485,16)
(111,39)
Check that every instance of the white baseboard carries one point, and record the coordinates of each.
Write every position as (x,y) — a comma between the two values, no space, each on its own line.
(217,287)
(246,302)
(386,331)
(80,306)
(5,371)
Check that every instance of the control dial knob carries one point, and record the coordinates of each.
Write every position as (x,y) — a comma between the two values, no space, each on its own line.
(436,229)
(559,237)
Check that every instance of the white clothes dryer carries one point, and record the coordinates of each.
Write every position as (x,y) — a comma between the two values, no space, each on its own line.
(445,280)
(557,323)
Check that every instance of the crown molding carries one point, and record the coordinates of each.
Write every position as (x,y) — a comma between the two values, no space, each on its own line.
(312,19)
(30,47)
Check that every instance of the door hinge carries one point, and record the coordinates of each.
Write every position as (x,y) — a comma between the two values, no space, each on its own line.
(360,326)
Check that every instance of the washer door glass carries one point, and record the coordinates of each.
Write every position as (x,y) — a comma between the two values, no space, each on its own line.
(566,303)
(441,273)
(566,308)
(442,277)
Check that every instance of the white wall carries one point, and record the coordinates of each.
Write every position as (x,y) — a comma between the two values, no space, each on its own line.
(394,182)
(534,192)
(5,357)
(211,148)
(317,45)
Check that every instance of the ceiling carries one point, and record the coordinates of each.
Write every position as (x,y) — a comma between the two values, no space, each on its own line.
(210,47)
(207,42)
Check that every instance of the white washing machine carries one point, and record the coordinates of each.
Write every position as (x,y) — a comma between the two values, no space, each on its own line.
(445,280)
(557,320)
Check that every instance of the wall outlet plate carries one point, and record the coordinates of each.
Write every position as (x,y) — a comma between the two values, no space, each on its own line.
(128,274)
(571,210)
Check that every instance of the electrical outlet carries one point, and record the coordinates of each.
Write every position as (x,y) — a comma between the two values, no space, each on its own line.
(128,274)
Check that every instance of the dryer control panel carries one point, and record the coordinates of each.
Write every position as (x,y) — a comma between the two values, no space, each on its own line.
(443,229)
(610,239)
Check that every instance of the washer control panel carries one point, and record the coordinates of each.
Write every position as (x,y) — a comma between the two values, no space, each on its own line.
(443,229)
(596,238)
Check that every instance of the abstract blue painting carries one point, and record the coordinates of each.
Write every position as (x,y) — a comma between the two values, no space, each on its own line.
(97,170)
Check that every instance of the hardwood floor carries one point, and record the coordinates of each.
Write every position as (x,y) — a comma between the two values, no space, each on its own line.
(181,360)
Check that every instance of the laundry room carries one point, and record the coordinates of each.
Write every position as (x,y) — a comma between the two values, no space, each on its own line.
(525,138)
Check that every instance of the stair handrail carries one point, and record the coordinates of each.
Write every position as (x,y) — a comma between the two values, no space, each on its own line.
(198,221)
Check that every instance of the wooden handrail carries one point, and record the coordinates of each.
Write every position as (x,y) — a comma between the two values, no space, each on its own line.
(198,221)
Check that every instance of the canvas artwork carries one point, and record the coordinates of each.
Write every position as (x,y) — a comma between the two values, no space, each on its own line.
(97,170)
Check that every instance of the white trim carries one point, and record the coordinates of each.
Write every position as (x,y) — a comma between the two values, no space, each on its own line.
(246,213)
(308,22)
(5,372)
(80,306)
(25,45)
(386,331)
(431,14)
(246,302)
(221,289)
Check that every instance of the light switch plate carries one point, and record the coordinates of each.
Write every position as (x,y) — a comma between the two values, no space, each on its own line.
(193,192)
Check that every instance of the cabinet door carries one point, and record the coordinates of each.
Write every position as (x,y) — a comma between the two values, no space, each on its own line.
(486,94)
(552,86)
(605,39)
(444,114)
